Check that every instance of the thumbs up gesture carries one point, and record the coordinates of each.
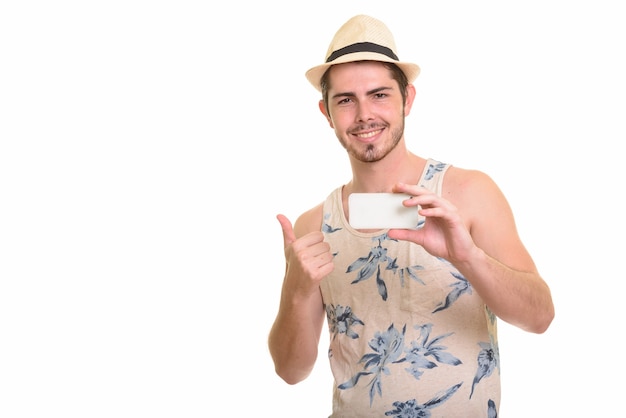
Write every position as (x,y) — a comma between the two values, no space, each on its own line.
(308,260)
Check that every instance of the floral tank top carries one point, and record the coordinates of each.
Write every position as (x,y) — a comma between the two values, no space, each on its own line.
(409,337)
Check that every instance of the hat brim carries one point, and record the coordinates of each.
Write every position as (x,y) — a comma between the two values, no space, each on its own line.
(314,75)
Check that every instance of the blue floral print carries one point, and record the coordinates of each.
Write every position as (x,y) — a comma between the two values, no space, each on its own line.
(388,348)
(487,363)
(411,409)
(461,286)
(366,266)
(432,169)
(341,320)
(410,273)
(422,350)
(329,229)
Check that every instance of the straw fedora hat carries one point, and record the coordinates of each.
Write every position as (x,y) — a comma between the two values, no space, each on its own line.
(362,38)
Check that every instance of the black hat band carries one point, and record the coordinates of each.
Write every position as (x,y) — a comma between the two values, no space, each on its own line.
(362,47)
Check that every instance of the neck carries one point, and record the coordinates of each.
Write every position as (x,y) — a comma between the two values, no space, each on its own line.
(399,166)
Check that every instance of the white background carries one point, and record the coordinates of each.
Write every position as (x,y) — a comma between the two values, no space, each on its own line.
(146,147)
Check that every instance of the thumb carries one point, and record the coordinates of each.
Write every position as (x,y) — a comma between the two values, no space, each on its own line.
(288,235)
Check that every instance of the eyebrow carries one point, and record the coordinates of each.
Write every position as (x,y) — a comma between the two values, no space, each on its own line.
(351,94)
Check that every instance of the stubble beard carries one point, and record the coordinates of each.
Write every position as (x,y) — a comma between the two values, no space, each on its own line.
(371,153)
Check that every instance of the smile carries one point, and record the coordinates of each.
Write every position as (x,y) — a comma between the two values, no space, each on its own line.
(369,134)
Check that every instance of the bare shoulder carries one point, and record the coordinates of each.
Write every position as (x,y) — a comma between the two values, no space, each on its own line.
(488,216)
(474,193)
(309,221)
(459,181)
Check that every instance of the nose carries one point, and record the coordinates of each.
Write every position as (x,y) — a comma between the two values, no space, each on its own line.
(364,112)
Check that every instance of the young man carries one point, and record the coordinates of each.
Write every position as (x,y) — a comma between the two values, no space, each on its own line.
(411,312)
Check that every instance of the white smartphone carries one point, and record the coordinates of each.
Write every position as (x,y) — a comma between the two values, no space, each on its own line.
(381,211)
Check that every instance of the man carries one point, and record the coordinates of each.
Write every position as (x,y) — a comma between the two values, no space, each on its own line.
(411,312)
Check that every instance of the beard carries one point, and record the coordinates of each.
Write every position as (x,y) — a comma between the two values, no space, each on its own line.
(372,153)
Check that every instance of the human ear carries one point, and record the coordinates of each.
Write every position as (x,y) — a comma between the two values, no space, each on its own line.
(410,97)
(324,111)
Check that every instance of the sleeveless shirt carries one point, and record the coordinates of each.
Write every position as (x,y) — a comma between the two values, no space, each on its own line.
(409,337)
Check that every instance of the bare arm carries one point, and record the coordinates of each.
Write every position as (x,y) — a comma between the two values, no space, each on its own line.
(472,226)
(294,338)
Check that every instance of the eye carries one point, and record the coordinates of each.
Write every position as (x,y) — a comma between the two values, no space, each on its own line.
(345,100)
(380,95)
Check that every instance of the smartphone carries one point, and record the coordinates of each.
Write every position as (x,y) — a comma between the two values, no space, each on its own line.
(381,211)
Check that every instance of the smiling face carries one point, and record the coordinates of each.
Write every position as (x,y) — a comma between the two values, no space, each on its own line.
(366,109)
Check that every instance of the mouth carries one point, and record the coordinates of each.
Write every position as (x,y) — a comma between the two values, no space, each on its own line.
(368,135)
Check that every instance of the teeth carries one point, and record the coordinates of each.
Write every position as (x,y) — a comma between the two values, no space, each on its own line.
(368,135)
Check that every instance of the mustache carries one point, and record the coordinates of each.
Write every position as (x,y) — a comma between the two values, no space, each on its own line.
(368,127)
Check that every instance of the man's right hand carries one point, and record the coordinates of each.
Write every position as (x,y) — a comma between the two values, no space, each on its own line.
(308,260)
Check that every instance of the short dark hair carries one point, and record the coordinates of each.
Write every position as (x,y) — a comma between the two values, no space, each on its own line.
(396,73)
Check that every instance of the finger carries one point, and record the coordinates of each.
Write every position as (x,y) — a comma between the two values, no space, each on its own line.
(288,236)
(318,246)
(411,189)
(418,195)
(405,235)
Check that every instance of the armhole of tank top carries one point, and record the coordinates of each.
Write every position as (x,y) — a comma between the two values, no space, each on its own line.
(331,204)
(435,184)
(440,177)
